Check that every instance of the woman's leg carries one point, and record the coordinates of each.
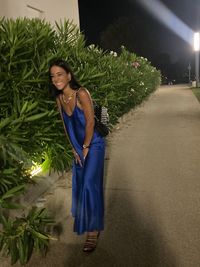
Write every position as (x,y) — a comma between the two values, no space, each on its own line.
(91,241)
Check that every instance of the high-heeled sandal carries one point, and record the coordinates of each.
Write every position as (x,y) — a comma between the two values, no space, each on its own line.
(91,242)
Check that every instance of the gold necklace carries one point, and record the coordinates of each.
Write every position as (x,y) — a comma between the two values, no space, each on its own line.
(68,99)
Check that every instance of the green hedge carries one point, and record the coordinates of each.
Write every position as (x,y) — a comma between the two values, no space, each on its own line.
(30,125)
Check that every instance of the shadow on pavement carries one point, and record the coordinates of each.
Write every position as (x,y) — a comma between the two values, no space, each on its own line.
(131,241)
(132,236)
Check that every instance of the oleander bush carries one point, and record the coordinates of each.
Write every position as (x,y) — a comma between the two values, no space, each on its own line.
(31,132)
(24,235)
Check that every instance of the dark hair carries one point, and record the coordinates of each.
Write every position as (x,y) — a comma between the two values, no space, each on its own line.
(64,65)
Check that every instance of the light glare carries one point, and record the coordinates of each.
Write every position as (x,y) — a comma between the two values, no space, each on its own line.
(196,41)
(169,19)
(35,170)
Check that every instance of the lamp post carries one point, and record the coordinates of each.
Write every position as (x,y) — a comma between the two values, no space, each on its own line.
(196,49)
(189,73)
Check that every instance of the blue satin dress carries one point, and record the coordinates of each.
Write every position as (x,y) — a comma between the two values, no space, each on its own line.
(87,181)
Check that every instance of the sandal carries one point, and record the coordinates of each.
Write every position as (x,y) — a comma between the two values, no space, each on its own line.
(91,242)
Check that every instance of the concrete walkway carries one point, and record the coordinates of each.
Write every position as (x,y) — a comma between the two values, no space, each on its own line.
(152,191)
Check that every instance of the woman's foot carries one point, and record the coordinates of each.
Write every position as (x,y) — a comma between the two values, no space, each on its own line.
(91,241)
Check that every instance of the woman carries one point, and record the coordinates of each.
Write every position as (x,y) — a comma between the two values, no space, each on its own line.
(76,109)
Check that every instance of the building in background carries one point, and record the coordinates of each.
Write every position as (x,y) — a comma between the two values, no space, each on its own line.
(45,9)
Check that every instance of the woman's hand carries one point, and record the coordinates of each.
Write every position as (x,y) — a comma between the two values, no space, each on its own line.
(85,152)
(77,158)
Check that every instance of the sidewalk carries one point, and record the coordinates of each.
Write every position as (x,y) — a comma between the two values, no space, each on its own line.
(152,191)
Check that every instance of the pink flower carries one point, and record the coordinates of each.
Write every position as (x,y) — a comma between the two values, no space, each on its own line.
(135,64)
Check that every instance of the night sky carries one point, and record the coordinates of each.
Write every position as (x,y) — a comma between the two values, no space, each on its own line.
(96,16)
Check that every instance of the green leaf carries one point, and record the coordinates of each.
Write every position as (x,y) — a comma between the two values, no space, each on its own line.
(2,242)
(9,171)
(5,122)
(32,106)
(24,107)
(13,251)
(39,235)
(36,117)
(3,221)
(28,74)
(28,245)
(21,248)
(18,120)
(10,205)
(13,192)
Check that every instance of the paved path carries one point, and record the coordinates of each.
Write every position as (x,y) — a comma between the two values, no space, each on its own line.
(152,191)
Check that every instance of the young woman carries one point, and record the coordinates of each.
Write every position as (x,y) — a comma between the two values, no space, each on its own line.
(76,108)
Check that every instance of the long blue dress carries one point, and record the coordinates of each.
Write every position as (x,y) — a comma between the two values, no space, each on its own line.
(87,181)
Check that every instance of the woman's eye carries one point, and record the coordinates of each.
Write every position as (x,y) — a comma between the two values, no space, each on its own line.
(56,75)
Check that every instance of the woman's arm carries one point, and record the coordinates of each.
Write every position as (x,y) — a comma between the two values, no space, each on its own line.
(87,107)
(76,156)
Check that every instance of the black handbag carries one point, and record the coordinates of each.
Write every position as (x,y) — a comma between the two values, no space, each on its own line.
(101,117)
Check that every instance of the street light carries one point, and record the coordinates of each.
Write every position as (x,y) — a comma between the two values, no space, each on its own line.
(196,49)
(189,73)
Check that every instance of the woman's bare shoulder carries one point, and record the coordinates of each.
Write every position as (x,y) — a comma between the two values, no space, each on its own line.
(83,91)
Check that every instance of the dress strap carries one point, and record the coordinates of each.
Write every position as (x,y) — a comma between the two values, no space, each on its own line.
(77,96)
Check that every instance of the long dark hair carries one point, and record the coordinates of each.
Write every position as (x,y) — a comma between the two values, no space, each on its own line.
(64,65)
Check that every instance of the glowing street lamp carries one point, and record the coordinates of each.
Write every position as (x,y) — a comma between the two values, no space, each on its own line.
(196,41)
(196,49)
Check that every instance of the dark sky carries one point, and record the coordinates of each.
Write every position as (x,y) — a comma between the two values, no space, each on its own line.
(96,15)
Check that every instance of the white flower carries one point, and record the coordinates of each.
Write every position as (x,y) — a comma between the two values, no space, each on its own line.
(141,83)
(132,90)
(144,58)
(92,46)
(114,54)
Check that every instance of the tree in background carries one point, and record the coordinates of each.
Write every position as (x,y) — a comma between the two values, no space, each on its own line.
(130,32)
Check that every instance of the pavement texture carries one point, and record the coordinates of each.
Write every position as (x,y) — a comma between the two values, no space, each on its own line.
(152,192)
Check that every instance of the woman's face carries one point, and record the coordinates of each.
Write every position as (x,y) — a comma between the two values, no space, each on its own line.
(59,77)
